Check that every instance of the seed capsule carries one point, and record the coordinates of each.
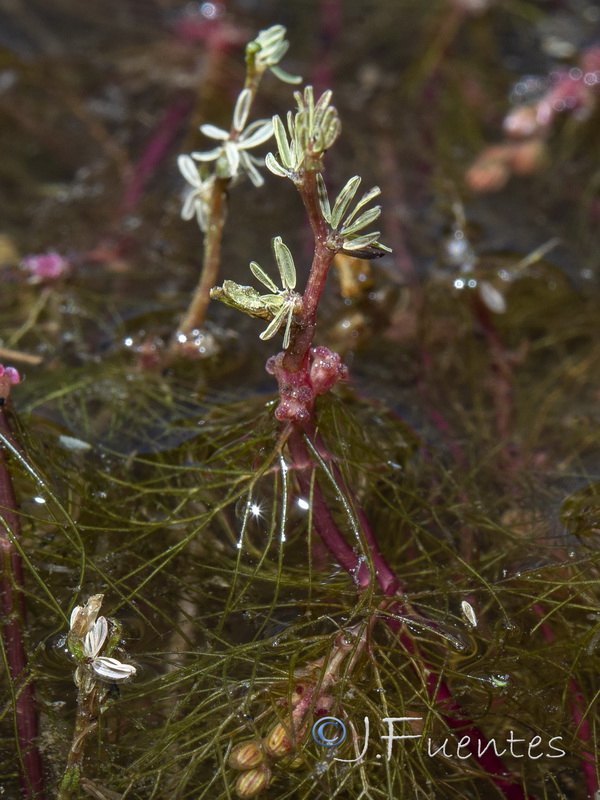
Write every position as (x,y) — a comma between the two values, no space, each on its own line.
(278,742)
(251,783)
(246,755)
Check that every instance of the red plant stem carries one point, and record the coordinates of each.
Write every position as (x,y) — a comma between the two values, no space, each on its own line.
(323,519)
(328,529)
(13,619)
(304,331)
(582,725)
(386,577)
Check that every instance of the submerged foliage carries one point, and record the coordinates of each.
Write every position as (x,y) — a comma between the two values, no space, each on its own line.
(202,543)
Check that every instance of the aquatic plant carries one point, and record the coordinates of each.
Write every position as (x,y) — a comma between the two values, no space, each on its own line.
(403,538)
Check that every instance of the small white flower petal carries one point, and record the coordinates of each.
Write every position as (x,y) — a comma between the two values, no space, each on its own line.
(273,46)
(285,263)
(366,198)
(282,143)
(74,614)
(247,163)
(112,670)
(284,76)
(343,201)
(361,222)
(95,638)
(214,133)
(469,613)
(189,206)
(74,444)
(201,215)
(288,327)
(271,36)
(233,158)
(321,106)
(361,241)
(275,324)
(261,134)
(242,109)
(84,619)
(208,155)
(189,170)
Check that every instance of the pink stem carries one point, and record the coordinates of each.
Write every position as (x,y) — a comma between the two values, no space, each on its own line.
(331,24)
(323,520)
(13,619)
(156,150)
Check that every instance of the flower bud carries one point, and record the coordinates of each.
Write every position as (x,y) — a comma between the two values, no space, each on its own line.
(246,755)
(252,782)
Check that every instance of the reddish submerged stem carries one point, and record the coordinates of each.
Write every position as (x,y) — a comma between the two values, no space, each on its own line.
(13,620)
(323,519)
(578,706)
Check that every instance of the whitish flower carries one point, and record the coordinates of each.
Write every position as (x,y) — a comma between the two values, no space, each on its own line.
(267,50)
(346,224)
(198,197)
(231,155)
(87,636)
(109,669)
(282,303)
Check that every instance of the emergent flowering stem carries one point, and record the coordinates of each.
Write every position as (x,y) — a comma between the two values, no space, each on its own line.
(304,331)
(91,640)
(207,196)
(216,212)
